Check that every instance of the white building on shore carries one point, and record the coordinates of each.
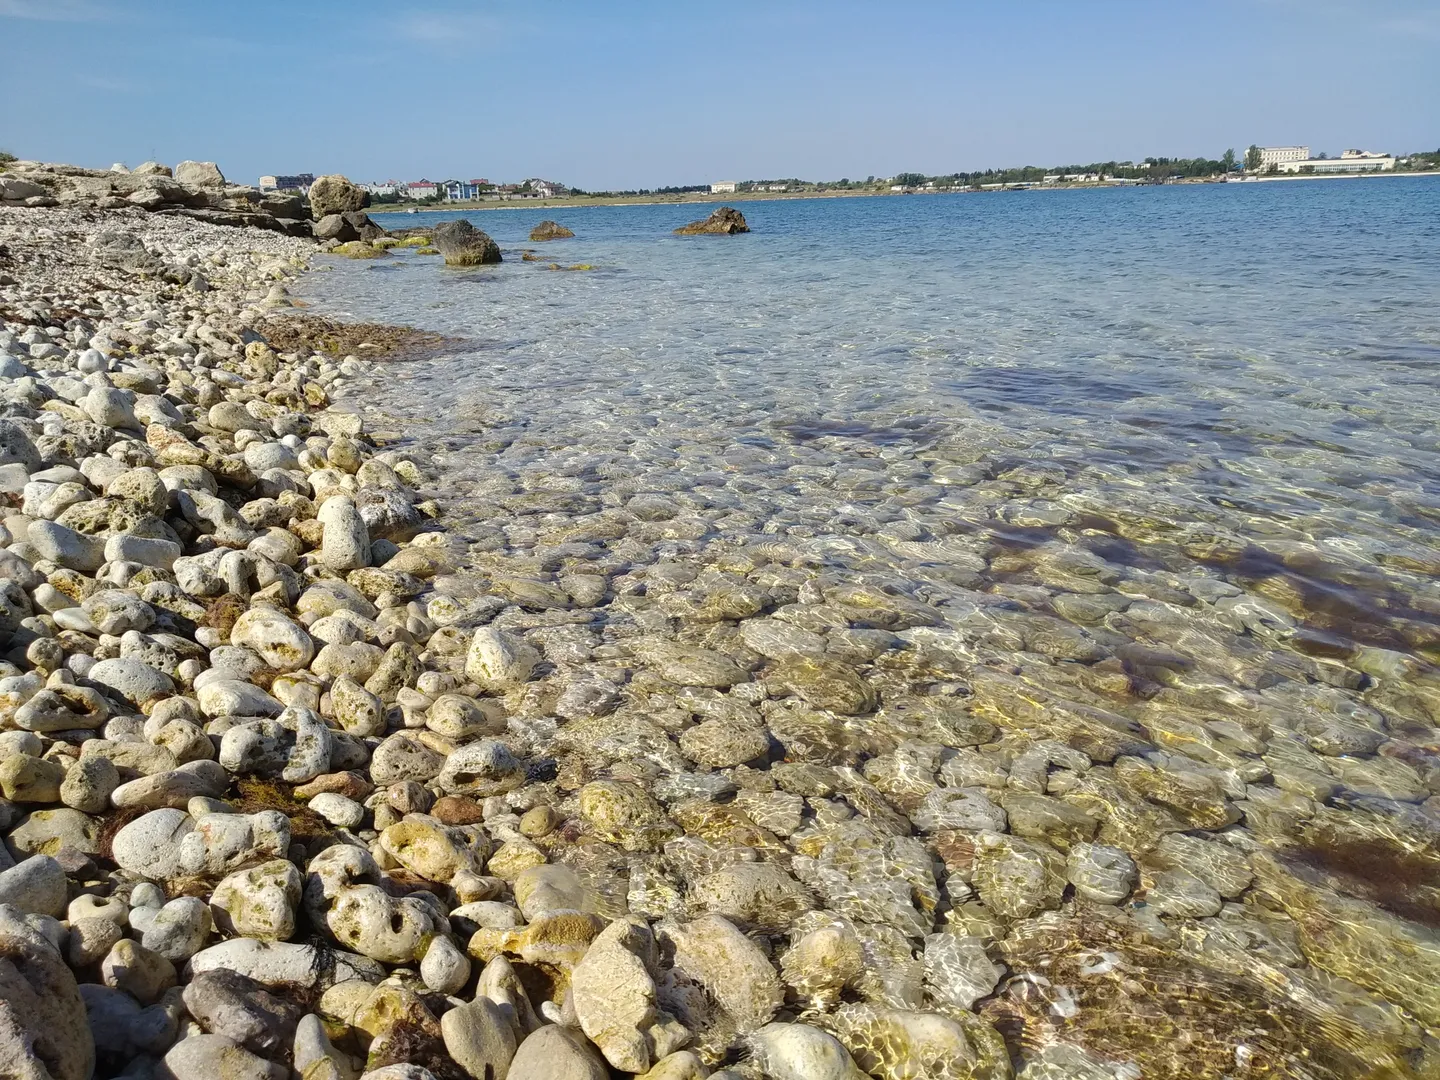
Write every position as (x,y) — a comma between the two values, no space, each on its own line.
(724,187)
(1351,161)
(1281,155)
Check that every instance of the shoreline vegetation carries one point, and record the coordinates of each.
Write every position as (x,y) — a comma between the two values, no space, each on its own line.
(700,198)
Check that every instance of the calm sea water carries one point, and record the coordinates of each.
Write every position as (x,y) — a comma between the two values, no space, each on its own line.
(1262,357)
(1168,452)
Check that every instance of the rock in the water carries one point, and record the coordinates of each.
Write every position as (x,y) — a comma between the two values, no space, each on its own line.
(464,245)
(550,230)
(723,222)
(802,1052)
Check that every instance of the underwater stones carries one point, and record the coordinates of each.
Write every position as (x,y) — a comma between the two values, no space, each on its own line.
(897,1044)
(776,639)
(1221,866)
(802,1052)
(752,895)
(1196,797)
(722,744)
(688,666)
(1182,894)
(1017,878)
(958,808)
(625,814)
(615,998)
(825,684)
(958,971)
(1395,958)
(732,969)
(499,661)
(822,963)
(1101,874)
(1040,817)
(540,889)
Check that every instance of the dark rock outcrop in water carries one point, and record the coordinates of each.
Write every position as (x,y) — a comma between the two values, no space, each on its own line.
(550,230)
(336,195)
(464,245)
(723,222)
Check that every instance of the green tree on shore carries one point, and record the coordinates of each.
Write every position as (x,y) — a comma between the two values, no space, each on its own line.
(1252,159)
(1227,160)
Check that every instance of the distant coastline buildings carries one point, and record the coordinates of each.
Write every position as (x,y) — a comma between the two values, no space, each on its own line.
(724,187)
(299,183)
(422,190)
(1348,162)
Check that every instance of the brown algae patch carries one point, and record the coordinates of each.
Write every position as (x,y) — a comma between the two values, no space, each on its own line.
(316,333)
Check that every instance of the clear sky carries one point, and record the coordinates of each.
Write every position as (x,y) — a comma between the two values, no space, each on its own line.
(633,93)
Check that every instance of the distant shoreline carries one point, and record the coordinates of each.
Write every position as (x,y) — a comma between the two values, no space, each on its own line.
(700,198)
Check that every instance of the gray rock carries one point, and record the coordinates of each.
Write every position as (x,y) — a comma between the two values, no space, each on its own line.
(44,1031)
(199,174)
(135,682)
(35,887)
(240,1008)
(66,546)
(150,845)
(345,542)
(480,1038)
(557,1053)
(208,1057)
(179,929)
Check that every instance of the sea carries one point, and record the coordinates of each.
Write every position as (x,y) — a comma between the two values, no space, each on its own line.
(1162,455)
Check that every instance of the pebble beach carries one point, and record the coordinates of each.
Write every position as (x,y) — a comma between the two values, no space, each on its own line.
(322,755)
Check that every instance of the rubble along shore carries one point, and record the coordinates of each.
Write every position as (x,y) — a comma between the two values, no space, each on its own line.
(285,789)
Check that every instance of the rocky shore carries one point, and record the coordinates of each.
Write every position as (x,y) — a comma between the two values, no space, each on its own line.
(293,780)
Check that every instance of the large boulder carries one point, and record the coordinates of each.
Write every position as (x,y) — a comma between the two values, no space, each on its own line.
(335,227)
(199,174)
(550,230)
(464,245)
(336,195)
(44,1032)
(723,222)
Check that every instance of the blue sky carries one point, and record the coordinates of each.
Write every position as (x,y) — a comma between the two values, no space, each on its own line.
(632,93)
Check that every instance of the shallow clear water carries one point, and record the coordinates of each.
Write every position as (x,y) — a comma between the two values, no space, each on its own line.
(1149,472)
(1254,360)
